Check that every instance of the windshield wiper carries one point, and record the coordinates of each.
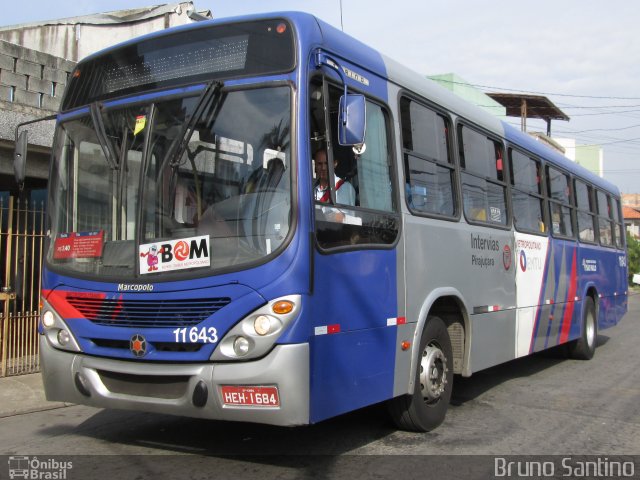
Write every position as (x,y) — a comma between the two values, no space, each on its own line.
(208,101)
(105,143)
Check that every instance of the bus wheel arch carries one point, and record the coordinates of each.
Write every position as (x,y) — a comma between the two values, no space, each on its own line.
(452,311)
(425,408)
(440,350)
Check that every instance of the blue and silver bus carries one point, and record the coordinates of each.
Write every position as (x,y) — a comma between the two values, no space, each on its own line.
(262,219)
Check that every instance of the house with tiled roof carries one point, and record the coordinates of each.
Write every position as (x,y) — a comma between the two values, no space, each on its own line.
(631,217)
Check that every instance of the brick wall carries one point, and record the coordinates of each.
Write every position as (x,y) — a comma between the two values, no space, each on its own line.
(32,78)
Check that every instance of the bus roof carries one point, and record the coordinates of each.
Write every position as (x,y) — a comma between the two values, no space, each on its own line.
(404,77)
(529,143)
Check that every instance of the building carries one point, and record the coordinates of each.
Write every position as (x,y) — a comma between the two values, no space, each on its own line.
(632,221)
(31,86)
(590,157)
(35,62)
(631,200)
(464,89)
(76,37)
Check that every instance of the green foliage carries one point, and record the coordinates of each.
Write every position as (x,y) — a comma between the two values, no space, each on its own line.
(633,255)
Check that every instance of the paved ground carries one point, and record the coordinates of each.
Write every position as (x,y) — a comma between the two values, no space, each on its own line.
(539,405)
(23,394)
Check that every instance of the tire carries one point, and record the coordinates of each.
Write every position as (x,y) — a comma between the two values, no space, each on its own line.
(584,347)
(426,408)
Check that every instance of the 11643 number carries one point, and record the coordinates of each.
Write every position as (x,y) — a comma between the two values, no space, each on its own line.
(196,335)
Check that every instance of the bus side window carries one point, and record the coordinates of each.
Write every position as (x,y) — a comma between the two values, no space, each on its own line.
(586,213)
(526,193)
(374,166)
(483,187)
(429,168)
(559,189)
(605,223)
(620,229)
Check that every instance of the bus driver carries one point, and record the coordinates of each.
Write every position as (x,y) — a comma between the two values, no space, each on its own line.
(345,193)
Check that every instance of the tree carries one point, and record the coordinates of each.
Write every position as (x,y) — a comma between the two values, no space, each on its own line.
(633,255)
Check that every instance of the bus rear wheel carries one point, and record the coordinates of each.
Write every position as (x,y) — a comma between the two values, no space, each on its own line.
(426,408)
(584,347)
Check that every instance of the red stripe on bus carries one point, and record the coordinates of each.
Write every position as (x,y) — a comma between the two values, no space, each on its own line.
(568,311)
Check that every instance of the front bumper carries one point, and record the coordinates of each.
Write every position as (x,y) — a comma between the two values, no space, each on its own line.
(177,389)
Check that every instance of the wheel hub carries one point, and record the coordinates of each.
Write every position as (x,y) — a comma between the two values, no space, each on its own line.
(433,373)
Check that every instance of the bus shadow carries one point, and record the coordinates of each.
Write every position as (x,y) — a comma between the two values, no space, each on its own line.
(150,433)
(470,388)
(282,447)
(142,445)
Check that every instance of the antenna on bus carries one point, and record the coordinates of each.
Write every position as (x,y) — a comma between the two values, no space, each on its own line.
(341,23)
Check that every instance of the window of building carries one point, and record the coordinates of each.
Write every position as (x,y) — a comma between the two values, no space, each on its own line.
(559,191)
(526,193)
(586,212)
(429,168)
(483,178)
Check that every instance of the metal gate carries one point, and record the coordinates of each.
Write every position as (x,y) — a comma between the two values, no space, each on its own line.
(21,247)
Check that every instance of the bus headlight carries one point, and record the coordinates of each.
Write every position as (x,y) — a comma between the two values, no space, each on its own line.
(64,337)
(48,319)
(56,330)
(241,346)
(258,332)
(262,325)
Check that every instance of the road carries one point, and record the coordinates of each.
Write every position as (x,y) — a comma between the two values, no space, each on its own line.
(540,405)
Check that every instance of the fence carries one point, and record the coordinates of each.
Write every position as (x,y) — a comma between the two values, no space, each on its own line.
(21,247)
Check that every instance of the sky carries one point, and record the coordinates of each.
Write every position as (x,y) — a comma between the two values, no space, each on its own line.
(584,55)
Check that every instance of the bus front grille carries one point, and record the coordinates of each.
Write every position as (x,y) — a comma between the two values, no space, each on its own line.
(159,346)
(147,313)
(165,386)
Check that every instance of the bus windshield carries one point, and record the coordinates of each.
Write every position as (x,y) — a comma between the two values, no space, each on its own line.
(135,185)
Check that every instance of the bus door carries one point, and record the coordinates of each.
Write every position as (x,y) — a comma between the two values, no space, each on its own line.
(549,265)
(530,259)
(355,261)
(531,247)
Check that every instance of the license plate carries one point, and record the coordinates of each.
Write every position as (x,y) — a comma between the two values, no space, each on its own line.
(250,396)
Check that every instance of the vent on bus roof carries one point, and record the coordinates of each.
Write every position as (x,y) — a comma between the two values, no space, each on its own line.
(147,313)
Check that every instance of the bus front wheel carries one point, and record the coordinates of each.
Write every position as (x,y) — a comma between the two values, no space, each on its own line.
(426,408)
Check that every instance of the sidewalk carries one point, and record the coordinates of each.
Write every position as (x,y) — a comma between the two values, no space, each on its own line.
(23,394)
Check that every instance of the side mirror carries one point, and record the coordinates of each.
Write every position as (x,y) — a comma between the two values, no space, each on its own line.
(352,120)
(20,158)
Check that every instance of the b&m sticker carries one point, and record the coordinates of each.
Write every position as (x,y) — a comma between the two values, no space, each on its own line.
(192,252)
(78,245)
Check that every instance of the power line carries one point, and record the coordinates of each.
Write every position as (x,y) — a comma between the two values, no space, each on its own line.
(573,107)
(620,141)
(600,129)
(604,140)
(534,109)
(603,113)
(536,93)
